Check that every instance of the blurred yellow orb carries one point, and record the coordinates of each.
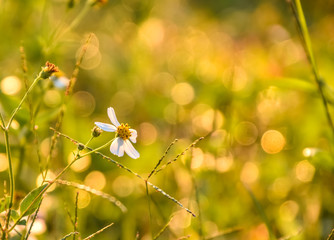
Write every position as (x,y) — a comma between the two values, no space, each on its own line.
(39,227)
(183,93)
(148,133)
(96,180)
(80,165)
(304,171)
(11,85)
(3,162)
(249,173)
(272,141)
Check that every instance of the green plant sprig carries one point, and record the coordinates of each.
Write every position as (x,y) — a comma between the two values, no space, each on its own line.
(50,183)
(125,168)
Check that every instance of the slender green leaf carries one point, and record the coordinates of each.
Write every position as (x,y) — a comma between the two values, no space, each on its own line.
(25,207)
(14,214)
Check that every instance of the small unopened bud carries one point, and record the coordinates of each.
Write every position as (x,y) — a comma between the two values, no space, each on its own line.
(96,131)
(81,146)
(48,70)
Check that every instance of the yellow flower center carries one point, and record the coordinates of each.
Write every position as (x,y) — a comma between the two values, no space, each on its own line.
(123,131)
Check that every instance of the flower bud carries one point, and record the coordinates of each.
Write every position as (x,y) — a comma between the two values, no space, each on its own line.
(81,147)
(48,70)
(96,131)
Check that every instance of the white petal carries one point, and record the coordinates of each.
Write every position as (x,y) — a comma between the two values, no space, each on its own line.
(133,135)
(130,150)
(117,147)
(112,116)
(106,127)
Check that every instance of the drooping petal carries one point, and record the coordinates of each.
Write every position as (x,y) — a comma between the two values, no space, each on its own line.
(133,135)
(130,150)
(117,147)
(106,127)
(112,116)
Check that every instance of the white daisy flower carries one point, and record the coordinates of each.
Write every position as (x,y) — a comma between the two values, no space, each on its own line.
(123,136)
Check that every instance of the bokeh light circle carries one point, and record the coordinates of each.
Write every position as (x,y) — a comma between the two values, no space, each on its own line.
(272,141)
(183,93)
(11,85)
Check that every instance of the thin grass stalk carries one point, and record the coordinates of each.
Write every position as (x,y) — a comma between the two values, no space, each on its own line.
(165,219)
(225,232)
(33,221)
(11,180)
(69,235)
(75,72)
(125,168)
(160,160)
(163,229)
(331,236)
(69,215)
(196,197)
(25,78)
(98,232)
(181,154)
(106,196)
(39,77)
(305,36)
(69,91)
(50,183)
(76,215)
(149,208)
(261,212)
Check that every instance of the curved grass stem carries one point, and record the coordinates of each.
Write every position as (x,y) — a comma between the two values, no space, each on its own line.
(302,26)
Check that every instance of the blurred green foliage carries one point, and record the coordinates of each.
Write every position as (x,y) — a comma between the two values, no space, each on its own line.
(232,71)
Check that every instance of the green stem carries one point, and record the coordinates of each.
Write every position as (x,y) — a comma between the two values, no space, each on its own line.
(23,99)
(77,157)
(299,15)
(11,177)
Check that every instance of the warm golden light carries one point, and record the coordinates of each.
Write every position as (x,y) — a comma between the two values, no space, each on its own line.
(309,152)
(11,85)
(39,227)
(3,162)
(183,93)
(147,133)
(249,173)
(84,199)
(80,165)
(96,180)
(304,171)
(52,98)
(152,32)
(289,210)
(235,78)
(123,186)
(197,158)
(224,164)
(272,141)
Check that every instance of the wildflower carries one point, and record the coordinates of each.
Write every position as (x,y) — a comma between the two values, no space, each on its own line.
(48,70)
(123,134)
